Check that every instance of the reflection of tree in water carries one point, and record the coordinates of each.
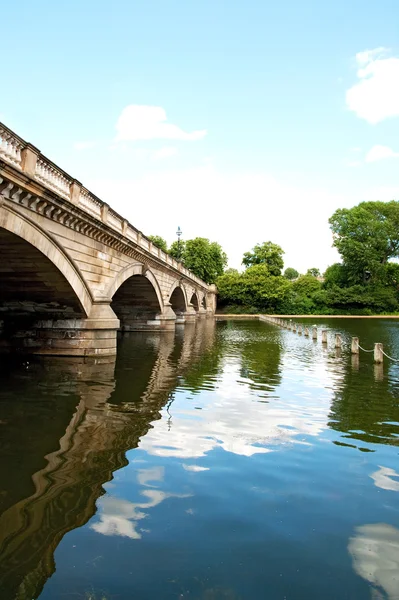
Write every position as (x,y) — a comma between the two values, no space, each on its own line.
(365,406)
(260,356)
(208,349)
(77,434)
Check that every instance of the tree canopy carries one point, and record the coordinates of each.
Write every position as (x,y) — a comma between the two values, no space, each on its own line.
(291,273)
(256,289)
(159,241)
(367,237)
(204,258)
(313,272)
(268,254)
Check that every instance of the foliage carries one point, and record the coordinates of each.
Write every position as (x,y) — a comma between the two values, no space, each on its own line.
(159,242)
(313,272)
(365,282)
(367,237)
(177,249)
(305,297)
(291,273)
(336,274)
(204,258)
(256,288)
(268,254)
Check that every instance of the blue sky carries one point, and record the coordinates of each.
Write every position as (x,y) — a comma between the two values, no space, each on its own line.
(238,121)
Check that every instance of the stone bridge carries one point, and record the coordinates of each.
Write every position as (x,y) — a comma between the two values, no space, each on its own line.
(73,272)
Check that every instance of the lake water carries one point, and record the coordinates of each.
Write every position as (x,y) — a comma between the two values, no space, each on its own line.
(228,460)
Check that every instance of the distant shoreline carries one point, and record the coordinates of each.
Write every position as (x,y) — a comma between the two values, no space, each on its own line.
(256,316)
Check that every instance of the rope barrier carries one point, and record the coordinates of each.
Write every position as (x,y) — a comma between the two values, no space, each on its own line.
(296,327)
(364,349)
(390,357)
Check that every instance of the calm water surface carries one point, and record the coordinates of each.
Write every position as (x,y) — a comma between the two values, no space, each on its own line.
(228,460)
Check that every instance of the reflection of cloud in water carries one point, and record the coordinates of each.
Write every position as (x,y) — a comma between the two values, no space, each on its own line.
(120,517)
(375,554)
(240,424)
(382,479)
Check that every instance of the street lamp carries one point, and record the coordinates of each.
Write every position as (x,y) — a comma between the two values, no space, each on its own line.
(178,233)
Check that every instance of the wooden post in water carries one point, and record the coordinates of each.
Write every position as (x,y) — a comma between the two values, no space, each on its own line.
(314,333)
(324,336)
(299,329)
(378,371)
(338,340)
(306,332)
(294,327)
(355,345)
(378,355)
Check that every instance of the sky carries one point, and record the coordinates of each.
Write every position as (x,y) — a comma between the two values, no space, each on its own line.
(241,122)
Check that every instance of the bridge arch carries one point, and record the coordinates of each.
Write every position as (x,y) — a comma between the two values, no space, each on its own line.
(178,298)
(136,297)
(51,271)
(194,301)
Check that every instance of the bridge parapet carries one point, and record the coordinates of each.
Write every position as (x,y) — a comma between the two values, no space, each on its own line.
(29,160)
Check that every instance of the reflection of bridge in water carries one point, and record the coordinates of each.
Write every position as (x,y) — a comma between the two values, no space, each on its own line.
(113,409)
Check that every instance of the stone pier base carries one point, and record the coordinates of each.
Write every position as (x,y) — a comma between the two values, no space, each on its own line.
(62,338)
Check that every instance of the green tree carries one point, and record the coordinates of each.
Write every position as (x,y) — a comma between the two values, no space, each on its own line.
(367,237)
(204,258)
(291,273)
(313,272)
(265,254)
(177,249)
(159,241)
(256,289)
(306,296)
(336,274)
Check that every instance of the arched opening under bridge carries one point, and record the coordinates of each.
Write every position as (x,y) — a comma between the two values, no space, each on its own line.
(194,302)
(136,303)
(178,302)
(33,290)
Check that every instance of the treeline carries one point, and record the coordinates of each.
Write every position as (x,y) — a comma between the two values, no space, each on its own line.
(365,282)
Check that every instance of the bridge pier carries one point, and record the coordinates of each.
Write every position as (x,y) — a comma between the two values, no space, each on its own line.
(94,336)
(190,314)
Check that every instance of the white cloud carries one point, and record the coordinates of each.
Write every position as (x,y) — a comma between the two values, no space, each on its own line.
(365,57)
(83,145)
(150,123)
(236,209)
(165,152)
(375,96)
(380,153)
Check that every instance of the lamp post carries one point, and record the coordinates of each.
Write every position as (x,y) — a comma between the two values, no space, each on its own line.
(178,233)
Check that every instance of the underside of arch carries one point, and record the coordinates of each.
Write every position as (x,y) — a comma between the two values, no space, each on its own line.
(136,302)
(37,279)
(194,301)
(178,301)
